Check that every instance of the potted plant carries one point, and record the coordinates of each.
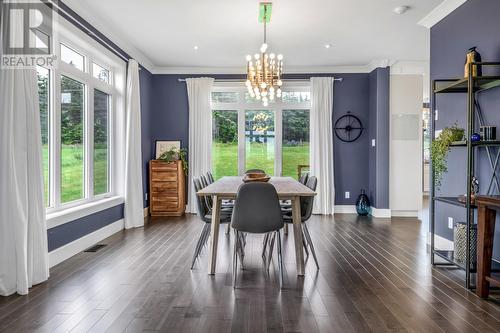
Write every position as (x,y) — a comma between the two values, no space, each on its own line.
(176,154)
(440,148)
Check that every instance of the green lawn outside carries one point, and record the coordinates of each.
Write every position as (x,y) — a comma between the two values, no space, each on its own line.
(72,172)
(225,159)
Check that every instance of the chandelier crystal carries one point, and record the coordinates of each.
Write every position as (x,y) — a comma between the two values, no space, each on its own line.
(264,70)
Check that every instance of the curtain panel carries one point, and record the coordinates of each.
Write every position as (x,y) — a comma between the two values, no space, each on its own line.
(134,210)
(321,141)
(24,258)
(200,132)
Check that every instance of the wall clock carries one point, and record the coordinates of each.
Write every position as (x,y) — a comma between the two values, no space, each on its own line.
(348,128)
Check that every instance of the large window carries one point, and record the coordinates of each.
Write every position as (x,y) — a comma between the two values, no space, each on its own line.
(77,99)
(248,136)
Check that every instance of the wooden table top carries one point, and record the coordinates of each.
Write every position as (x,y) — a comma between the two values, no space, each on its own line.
(285,186)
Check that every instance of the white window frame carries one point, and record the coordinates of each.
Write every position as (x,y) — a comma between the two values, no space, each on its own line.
(67,34)
(277,107)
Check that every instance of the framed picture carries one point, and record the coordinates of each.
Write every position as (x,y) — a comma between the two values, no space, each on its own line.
(163,146)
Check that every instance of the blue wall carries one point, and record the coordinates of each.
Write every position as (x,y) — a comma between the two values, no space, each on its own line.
(170,114)
(475,23)
(379,80)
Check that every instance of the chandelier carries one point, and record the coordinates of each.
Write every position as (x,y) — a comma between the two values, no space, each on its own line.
(264,70)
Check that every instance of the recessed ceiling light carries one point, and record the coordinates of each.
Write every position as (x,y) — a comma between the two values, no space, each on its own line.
(327,46)
(195,47)
(401,9)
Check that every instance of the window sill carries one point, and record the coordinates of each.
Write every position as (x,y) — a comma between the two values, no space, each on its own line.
(61,217)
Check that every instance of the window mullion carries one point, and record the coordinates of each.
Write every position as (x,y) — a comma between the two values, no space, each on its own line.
(89,142)
(56,142)
(278,141)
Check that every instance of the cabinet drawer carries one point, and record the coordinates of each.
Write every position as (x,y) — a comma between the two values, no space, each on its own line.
(162,166)
(164,176)
(162,192)
(164,206)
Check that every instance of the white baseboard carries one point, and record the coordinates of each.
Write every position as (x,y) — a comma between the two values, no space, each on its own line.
(67,251)
(381,212)
(146,211)
(404,213)
(344,209)
(440,243)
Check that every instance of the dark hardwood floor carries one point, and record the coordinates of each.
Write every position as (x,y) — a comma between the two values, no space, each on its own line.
(374,275)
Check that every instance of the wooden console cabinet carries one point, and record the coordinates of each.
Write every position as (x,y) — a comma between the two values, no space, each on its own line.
(167,188)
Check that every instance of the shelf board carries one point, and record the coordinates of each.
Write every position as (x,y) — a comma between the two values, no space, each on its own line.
(449,257)
(452,201)
(461,85)
(476,143)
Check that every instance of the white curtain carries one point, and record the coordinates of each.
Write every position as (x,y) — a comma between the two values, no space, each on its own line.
(200,131)
(134,210)
(321,141)
(24,258)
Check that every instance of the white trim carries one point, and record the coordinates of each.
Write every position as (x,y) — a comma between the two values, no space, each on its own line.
(74,213)
(381,212)
(67,251)
(344,209)
(100,24)
(404,213)
(440,12)
(289,70)
(440,243)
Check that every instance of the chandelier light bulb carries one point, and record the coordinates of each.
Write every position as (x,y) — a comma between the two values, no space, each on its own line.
(280,57)
(263,85)
(279,83)
(272,56)
(249,57)
(263,48)
(256,56)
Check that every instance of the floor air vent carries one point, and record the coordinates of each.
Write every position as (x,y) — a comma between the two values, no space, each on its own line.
(95,248)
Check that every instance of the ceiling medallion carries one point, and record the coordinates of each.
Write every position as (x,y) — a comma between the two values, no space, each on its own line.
(264,70)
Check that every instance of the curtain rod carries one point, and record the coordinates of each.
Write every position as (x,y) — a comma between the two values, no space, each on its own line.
(79,25)
(340,79)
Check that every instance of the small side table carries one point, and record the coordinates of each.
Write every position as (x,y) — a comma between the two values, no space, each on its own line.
(486,213)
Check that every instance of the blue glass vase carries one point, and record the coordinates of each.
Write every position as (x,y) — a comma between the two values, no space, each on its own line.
(363,204)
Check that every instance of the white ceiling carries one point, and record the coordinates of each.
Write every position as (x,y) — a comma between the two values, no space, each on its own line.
(360,31)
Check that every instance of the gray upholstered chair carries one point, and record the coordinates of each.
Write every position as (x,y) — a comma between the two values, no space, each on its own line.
(204,214)
(303,178)
(210,177)
(257,210)
(306,206)
(255,171)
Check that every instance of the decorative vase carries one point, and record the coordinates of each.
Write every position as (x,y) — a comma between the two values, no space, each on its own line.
(475,137)
(473,56)
(363,204)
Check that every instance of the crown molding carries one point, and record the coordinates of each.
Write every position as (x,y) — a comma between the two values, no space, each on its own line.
(115,36)
(289,70)
(440,12)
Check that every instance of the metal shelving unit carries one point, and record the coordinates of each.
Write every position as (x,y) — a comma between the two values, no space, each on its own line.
(470,86)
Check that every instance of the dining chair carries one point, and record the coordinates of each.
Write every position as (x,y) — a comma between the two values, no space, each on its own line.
(205,214)
(306,207)
(255,171)
(257,210)
(303,178)
(210,177)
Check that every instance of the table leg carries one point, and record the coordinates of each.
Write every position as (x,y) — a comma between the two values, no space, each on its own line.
(212,258)
(297,235)
(485,230)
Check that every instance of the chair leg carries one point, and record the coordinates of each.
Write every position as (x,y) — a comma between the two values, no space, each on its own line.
(309,241)
(235,259)
(264,245)
(271,246)
(199,244)
(205,238)
(280,258)
(305,245)
(285,229)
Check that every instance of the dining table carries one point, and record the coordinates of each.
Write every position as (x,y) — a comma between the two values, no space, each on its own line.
(226,188)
